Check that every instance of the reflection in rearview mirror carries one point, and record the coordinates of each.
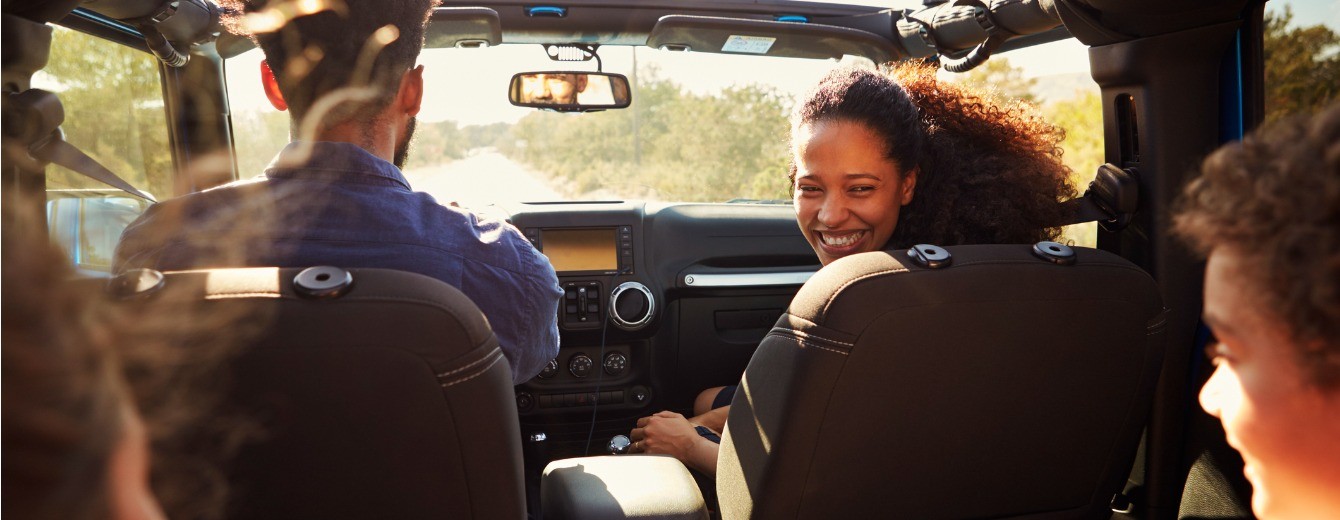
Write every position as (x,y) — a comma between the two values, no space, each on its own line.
(569,91)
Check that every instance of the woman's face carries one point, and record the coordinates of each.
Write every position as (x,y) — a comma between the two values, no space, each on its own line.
(1286,429)
(847,193)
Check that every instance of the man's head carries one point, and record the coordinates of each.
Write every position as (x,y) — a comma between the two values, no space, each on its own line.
(558,89)
(1266,212)
(348,61)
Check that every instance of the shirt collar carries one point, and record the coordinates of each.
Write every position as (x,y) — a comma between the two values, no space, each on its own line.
(331,158)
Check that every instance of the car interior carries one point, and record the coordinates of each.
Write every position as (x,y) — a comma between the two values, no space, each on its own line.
(994,381)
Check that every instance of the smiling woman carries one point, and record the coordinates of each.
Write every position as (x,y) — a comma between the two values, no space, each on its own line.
(944,164)
(848,192)
(892,159)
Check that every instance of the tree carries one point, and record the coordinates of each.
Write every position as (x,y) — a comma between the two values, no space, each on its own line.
(114,112)
(1082,119)
(1302,66)
(999,76)
(672,144)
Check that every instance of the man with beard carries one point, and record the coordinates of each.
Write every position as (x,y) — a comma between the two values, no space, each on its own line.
(555,89)
(335,195)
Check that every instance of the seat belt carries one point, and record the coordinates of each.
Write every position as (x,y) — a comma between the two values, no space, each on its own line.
(1111,200)
(57,151)
(41,113)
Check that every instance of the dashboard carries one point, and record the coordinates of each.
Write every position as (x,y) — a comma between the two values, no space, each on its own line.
(661,301)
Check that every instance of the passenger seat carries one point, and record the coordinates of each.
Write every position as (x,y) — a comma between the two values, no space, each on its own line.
(998,381)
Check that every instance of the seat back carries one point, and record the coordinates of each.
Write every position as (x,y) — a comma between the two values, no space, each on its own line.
(391,400)
(1000,385)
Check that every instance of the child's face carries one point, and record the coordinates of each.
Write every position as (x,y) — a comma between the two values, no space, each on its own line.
(1287,430)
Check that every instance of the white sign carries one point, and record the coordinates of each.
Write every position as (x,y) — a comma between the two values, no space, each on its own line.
(748,44)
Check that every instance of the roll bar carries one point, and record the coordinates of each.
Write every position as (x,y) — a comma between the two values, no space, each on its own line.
(964,30)
(970,30)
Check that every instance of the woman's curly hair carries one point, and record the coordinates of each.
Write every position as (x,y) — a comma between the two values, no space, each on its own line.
(987,171)
(1274,200)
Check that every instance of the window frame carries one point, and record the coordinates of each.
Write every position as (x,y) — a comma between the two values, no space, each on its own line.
(113,31)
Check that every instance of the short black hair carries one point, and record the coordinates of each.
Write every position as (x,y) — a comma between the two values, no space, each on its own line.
(316,55)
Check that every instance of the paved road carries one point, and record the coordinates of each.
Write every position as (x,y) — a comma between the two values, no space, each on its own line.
(483,177)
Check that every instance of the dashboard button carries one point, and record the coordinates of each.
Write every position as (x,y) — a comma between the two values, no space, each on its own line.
(580,365)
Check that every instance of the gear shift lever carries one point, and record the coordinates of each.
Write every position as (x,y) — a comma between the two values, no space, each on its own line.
(619,444)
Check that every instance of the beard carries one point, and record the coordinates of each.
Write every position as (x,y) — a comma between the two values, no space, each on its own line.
(402,148)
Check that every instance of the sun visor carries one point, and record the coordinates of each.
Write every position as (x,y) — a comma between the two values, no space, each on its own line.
(448,27)
(767,38)
(463,27)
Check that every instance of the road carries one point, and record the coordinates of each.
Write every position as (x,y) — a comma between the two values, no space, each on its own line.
(481,178)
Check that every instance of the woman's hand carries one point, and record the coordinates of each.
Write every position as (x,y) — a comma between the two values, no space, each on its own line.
(669,433)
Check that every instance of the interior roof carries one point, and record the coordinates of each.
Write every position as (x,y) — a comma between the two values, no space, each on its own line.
(625,22)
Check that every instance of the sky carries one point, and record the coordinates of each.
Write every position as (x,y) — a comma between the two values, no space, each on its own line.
(470,85)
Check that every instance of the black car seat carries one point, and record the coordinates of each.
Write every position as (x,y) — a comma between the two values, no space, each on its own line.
(378,393)
(1001,381)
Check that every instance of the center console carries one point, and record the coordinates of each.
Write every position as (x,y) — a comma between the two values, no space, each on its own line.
(606,314)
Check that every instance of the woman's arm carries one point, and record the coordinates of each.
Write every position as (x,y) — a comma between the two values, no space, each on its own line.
(714,420)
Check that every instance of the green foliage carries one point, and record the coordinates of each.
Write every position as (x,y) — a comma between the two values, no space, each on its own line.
(435,143)
(113,111)
(1082,119)
(1080,116)
(672,144)
(258,136)
(1302,66)
(1000,77)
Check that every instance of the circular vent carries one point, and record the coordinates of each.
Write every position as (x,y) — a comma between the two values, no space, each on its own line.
(631,306)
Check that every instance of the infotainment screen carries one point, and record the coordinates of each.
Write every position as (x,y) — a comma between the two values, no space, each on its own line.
(582,249)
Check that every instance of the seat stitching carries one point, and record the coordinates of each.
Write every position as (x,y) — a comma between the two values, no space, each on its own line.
(857,279)
(225,295)
(820,347)
(472,376)
(472,363)
(806,335)
(807,343)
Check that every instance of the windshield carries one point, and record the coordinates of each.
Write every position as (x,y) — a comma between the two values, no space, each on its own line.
(702,127)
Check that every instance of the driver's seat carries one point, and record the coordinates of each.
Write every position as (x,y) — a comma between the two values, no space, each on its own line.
(1011,381)
(378,393)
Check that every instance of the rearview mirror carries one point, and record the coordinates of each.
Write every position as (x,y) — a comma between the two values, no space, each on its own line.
(570,91)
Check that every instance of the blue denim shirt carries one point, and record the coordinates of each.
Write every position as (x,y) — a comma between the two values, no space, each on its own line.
(342,206)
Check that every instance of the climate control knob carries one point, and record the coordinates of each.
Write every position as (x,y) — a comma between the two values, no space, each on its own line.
(615,363)
(549,369)
(631,306)
(580,365)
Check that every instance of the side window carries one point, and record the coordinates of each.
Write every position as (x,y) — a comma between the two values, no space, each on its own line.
(114,112)
(259,131)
